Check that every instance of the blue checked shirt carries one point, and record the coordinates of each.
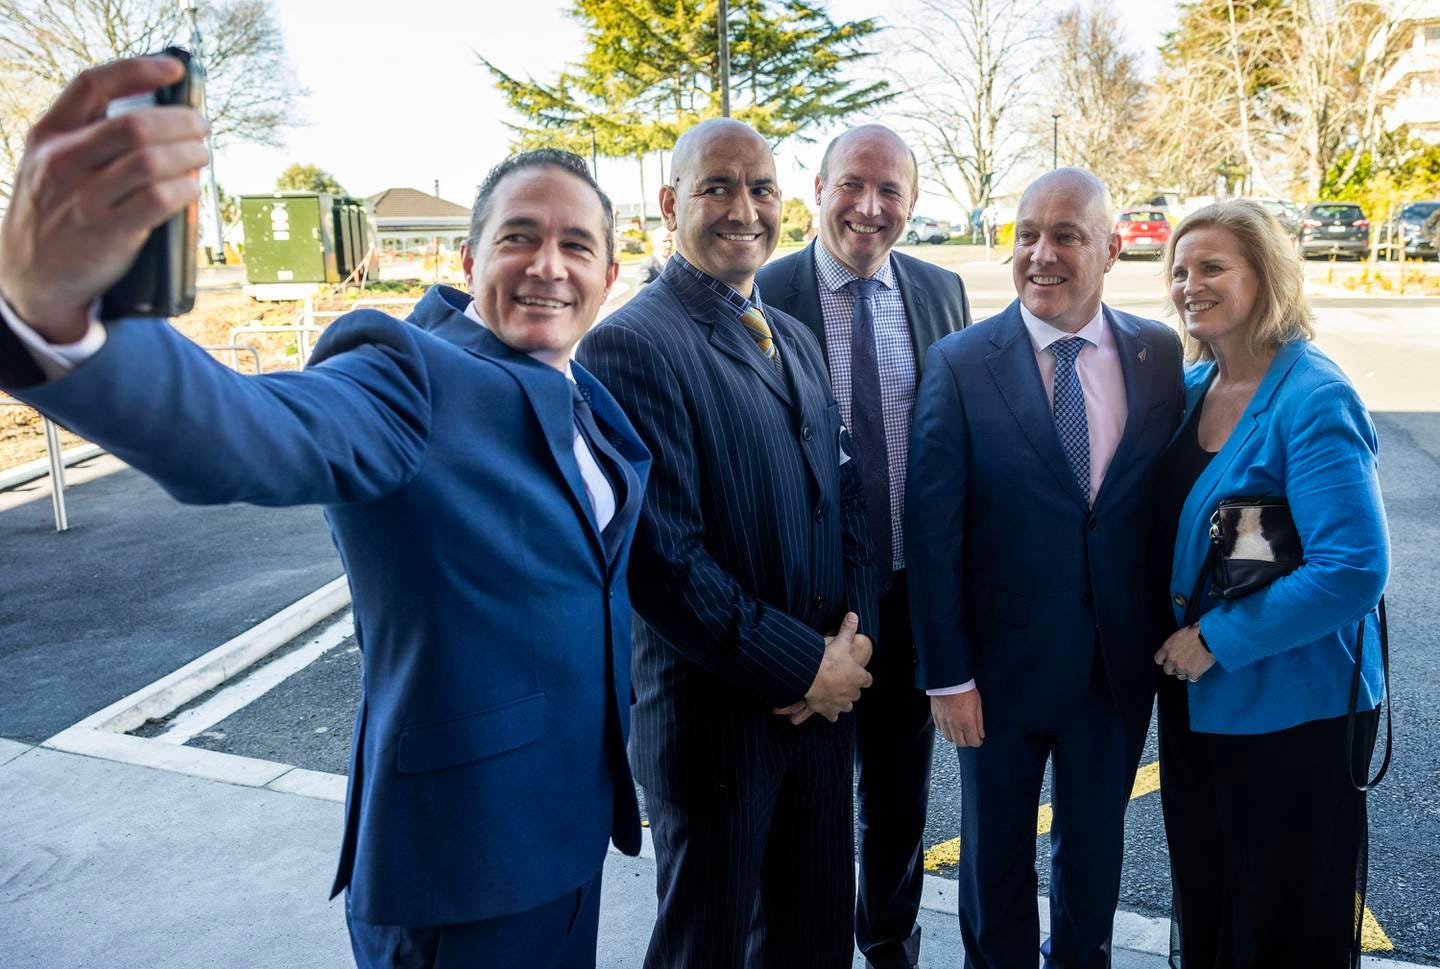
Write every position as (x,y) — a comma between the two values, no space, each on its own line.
(896,356)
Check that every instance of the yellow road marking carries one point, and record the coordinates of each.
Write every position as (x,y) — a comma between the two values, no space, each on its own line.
(1372,937)
(946,854)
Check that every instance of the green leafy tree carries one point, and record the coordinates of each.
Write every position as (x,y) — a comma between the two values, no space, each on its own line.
(795,220)
(308,178)
(651,69)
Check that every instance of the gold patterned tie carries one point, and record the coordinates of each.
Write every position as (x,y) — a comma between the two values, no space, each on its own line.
(754,321)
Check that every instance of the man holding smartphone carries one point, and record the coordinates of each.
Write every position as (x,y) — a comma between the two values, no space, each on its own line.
(482,491)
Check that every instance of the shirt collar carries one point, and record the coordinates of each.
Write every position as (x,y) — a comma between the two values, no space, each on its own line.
(722,289)
(835,275)
(474,314)
(1042,334)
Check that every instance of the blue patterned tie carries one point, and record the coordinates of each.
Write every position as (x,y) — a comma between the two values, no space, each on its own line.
(867,425)
(1070,420)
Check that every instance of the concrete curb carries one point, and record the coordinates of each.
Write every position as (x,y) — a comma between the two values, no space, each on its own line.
(40,467)
(104,734)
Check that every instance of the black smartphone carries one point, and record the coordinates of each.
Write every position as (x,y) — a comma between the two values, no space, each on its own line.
(161,282)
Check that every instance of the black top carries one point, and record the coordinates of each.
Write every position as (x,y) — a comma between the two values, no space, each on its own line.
(1184,461)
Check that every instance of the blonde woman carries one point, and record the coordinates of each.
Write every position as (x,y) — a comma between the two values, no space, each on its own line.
(1267,833)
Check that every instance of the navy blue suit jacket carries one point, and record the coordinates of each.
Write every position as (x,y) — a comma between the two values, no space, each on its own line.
(750,547)
(488,768)
(934,298)
(1012,577)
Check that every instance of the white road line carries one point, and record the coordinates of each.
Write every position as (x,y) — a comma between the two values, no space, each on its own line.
(245,691)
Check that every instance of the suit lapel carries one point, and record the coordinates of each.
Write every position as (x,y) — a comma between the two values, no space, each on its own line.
(1203,499)
(632,460)
(727,334)
(1017,377)
(442,312)
(1138,373)
(917,311)
(804,295)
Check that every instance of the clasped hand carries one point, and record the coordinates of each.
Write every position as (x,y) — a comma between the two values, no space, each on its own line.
(1184,656)
(840,678)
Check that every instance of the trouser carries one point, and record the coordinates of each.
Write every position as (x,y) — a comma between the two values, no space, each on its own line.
(559,934)
(765,883)
(1267,840)
(894,742)
(1094,757)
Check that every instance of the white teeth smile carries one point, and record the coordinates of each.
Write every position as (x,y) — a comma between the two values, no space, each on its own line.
(1047,280)
(553,304)
(740,236)
(863,229)
(1199,307)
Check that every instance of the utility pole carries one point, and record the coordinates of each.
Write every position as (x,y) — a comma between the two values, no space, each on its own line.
(192,8)
(1055,140)
(724,25)
(594,155)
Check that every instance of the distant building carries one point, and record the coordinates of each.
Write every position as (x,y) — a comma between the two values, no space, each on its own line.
(1411,89)
(409,222)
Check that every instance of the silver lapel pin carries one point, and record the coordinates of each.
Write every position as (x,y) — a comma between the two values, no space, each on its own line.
(1143,352)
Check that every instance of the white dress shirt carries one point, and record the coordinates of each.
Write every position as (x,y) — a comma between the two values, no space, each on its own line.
(1103,383)
(55,360)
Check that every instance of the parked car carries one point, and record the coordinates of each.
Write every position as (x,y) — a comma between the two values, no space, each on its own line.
(1419,230)
(925,229)
(1143,232)
(1333,229)
(1286,213)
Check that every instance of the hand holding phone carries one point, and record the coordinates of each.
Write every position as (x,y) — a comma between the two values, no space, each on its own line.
(89,190)
(161,282)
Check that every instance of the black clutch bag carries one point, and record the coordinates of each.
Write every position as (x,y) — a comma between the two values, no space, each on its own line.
(1253,542)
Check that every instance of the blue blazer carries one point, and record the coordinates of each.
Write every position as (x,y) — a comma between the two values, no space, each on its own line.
(751,544)
(1285,655)
(488,767)
(1012,576)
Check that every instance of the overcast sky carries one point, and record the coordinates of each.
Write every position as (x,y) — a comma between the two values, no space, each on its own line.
(397,104)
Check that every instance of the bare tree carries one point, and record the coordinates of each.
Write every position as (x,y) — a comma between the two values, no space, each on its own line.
(964,110)
(1331,59)
(1099,96)
(252,91)
(1214,97)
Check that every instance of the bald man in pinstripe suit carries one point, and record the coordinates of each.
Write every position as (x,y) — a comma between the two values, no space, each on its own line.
(750,575)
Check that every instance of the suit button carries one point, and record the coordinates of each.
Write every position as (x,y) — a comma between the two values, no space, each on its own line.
(819,601)
(805,432)
(1179,600)
(1093,523)
(1087,599)
(819,514)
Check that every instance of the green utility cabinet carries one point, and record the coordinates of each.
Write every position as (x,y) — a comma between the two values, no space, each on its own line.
(302,237)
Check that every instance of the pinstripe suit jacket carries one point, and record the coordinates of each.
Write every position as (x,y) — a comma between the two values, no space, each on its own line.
(750,542)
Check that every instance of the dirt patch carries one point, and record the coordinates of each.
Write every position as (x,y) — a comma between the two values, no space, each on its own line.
(216,315)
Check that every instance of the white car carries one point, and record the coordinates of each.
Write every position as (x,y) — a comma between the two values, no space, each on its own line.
(925,229)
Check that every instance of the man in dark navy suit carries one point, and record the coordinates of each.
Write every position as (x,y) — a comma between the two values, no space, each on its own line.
(1038,437)
(874,313)
(751,577)
(483,494)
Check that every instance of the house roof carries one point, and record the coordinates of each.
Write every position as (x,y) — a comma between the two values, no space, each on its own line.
(410,203)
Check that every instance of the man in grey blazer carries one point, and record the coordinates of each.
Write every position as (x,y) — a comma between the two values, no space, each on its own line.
(875,312)
(750,579)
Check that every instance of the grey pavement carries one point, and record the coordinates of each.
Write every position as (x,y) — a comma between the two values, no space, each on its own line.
(109,864)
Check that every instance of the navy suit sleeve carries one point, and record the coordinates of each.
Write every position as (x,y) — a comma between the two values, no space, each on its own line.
(351,428)
(675,584)
(935,528)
